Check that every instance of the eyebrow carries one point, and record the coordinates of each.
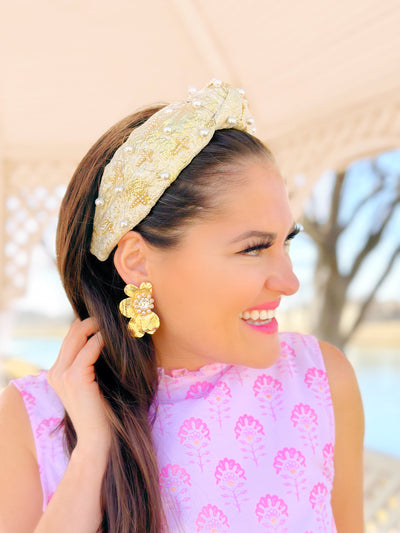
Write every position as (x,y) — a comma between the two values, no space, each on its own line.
(260,234)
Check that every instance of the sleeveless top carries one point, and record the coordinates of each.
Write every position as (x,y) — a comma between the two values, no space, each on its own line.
(239,449)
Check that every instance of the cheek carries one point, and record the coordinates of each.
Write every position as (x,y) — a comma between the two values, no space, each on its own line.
(182,290)
(206,290)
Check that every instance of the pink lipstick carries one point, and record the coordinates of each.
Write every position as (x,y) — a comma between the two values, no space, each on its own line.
(268,328)
(262,317)
(267,306)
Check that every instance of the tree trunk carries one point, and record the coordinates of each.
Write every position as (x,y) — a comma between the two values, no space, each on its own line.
(330,298)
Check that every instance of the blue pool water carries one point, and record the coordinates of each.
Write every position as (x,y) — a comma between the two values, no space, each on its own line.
(380,391)
(379,382)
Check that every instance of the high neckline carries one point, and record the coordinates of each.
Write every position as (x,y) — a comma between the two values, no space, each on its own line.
(176,385)
(207,370)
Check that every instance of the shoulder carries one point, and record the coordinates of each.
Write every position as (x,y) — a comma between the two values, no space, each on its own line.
(347,492)
(14,420)
(20,487)
(341,376)
(345,393)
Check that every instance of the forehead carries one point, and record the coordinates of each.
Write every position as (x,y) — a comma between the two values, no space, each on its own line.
(260,193)
(257,201)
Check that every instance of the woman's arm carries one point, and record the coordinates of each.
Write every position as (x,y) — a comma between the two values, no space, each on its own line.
(75,505)
(20,488)
(347,494)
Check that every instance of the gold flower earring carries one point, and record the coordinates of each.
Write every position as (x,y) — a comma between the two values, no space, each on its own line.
(138,307)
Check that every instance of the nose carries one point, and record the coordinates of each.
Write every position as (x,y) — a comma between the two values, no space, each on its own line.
(280,277)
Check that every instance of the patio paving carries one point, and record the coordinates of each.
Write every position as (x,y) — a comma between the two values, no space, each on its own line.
(381,493)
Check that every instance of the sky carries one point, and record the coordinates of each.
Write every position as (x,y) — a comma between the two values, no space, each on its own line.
(44,284)
(359,182)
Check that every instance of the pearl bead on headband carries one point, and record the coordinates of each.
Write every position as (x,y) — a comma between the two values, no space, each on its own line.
(155,153)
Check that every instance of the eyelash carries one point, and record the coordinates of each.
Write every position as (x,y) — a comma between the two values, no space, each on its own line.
(264,245)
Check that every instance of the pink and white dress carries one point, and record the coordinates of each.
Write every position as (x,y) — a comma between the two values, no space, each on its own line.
(239,449)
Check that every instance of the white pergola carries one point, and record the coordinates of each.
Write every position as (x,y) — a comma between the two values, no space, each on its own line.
(322,78)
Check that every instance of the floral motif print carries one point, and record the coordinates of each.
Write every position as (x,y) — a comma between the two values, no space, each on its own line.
(162,416)
(239,373)
(166,389)
(219,402)
(290,465)
(195,436)
(48,433)
(272,513)
(317,381)
(230,458)
(287,362)
(230,478)
(268,391)
(328,469)
(319,499)
(305,419)
(174,485)
(249,433)
(199,389)
(212,520)
(29,400)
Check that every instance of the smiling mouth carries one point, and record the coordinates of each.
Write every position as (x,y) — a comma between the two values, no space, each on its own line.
(258,317)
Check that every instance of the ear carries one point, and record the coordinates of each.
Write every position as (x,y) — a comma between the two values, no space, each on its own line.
(130,258)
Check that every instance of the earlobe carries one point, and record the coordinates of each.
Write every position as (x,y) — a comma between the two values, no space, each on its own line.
(130,258)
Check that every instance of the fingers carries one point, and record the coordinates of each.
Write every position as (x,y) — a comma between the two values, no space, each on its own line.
(78,354)
(75,340)
(73,379)
(81,371)
(89,354)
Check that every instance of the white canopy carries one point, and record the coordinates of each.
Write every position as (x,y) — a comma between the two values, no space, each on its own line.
(322,79)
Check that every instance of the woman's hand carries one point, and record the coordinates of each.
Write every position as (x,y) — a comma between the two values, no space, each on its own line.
(73,378)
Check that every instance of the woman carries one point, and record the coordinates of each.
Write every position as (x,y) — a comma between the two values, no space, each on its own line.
(195,415)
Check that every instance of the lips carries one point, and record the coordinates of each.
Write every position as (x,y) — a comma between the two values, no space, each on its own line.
(262,317)
(267,327)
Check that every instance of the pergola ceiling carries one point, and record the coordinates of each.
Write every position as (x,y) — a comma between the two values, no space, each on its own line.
(71,67)
(322,77)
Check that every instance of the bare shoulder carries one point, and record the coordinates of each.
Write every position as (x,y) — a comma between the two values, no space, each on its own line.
(14,421)
(20,488)
(341,375)
(345,392)
(347,492)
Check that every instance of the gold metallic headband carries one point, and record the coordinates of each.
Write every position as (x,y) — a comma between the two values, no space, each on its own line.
(154,155)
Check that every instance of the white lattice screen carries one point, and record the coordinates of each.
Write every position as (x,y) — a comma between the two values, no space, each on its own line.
(337,140)
(32,194)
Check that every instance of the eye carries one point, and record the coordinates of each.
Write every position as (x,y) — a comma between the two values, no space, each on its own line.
(255,249)
(296,230)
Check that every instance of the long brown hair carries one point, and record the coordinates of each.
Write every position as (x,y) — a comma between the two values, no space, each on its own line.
(126,370)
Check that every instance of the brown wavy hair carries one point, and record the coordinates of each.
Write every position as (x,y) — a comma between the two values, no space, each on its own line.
(126,370)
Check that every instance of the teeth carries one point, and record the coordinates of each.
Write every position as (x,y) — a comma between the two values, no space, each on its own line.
(258,315)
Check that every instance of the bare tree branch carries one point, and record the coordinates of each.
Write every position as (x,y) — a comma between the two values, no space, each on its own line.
(332,286)
(360,205)
(313,229)
(326,234)
(336,196)
(372,240)
(366,303)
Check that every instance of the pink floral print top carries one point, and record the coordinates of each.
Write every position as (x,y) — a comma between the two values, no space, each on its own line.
(239,449)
